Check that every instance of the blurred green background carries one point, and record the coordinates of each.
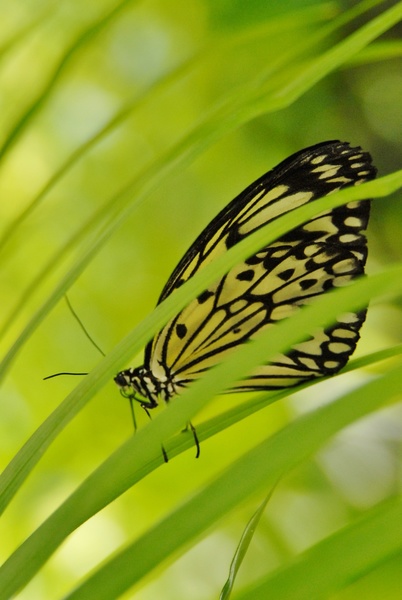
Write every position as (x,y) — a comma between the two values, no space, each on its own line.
(113,93)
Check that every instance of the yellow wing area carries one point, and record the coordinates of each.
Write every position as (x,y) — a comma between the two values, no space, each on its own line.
(262,290)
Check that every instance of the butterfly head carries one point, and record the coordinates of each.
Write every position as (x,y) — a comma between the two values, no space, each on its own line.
(138,384)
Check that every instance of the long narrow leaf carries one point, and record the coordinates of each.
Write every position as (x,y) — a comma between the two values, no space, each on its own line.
(37,104)
(225,119)
(260,468)
(212,48)
(25,460)
(337,561)
(123,467)
(243,546)
(213,271)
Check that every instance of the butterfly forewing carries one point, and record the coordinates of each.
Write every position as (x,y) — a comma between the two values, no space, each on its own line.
(326,252)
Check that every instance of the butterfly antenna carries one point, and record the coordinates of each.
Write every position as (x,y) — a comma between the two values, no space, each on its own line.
(62,373)
(76,317)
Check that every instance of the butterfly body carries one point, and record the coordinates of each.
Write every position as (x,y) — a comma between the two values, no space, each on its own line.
(326,252)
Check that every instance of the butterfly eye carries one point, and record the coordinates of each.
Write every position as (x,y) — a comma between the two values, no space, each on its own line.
(122,380)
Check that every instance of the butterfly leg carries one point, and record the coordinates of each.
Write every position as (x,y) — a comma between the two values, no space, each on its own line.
(164,453)
(195,436)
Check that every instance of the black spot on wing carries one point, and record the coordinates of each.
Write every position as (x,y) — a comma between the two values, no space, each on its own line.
(305,284)
(181,330)
(247,275)
(204,296)
(286,275)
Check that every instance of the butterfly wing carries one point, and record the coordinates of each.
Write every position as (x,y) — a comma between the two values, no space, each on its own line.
(328,251)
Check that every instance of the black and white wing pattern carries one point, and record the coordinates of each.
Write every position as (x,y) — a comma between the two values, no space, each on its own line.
(326,252)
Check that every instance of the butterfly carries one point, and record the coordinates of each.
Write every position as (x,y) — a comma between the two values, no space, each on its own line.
(328,251)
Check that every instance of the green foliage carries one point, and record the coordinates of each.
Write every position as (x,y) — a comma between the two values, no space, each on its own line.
(135,120)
